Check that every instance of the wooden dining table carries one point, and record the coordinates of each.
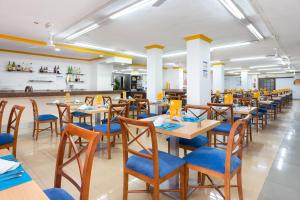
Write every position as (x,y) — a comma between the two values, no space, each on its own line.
(188,130)
(26,191)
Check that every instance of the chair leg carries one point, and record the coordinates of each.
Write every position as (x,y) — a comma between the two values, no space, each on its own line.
(37,131)
(147,186)
(91,118)
(55,127)
(125,186)
(34,127)
(51,127)
(108,148)
(185,152)
(156,191)
(70,150)
(257,123)
(227,188)
(186,180)
(15,149)
(239,184)
(182,184)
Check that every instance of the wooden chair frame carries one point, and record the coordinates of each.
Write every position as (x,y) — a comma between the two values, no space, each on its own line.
(128,138)
(220,114)
(106,101)
(234,147)
(115,110)
(143,105)
(138,96)
(36,122)
(13,124)
(89,100)
(2,107)
(85,168)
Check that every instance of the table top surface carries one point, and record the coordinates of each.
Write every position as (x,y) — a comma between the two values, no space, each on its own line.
(244,110)
(266,102)
(29,190)
(189,130)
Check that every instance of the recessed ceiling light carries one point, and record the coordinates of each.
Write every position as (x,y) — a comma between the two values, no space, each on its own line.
(248,58)
(83,31)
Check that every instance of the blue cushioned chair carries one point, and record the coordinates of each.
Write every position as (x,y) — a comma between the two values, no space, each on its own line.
(42,119)
(149,165)
(143,109)
(221,164)
(112,128)
(89,101)
(199,141)
(66,118)
(85,166)
(223,113)
(9,139)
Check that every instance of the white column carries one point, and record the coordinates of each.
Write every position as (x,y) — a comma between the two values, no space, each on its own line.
(218,77)
(244,80)
(198,69)
(174,76)
(154,70)
(104,77)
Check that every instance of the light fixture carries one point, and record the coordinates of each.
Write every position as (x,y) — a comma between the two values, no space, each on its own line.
(253,73)
(248,58)
(57,49)
(269,69)
(230,46)
(262,66)
(234,72)
(276,72)
(255,32)
(131,8)
(231,7)
(83,31)
(174,54)
(131,53)
(232,68)
(92,46)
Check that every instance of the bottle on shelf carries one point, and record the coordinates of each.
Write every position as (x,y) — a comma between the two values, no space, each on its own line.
(8,66)
(54,70)
(57,70)
(13,66)
(41,70)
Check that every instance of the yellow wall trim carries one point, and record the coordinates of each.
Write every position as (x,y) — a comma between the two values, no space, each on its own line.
(45,55)
(72,47)
(218,64)
(198,36)
(138,65)
(24,40)
(155,46)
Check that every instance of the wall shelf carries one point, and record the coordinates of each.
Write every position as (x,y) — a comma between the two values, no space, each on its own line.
(75,81)
(20,71)
(50,73)
(40,81)
(75,74)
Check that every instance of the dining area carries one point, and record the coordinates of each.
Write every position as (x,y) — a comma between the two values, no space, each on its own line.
(176,154)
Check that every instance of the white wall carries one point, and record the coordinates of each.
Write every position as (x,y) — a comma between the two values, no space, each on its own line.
(288,83)
(232,82)
(18,80)
(174,77)
(104,76)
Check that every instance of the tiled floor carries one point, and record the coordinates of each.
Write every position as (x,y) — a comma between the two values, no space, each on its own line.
(39,159)
(283,181)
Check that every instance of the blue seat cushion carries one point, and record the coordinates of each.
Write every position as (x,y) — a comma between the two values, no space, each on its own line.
(167,164)
(6,138)
(114,128)
(145,115)
(196,142)
(255,113)
(47,117)
(58,194)
(84,125)
(212,158)
(132,107)
(235,118)
(78,114)
(104,121)
(224,128)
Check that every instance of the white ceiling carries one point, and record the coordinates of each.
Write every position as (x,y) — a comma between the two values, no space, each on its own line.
(166,25)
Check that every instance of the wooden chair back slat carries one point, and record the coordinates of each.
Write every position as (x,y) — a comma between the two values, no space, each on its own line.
(235,141)
(2,107)
(202,110)
(143,106)
(138,96)
(107,100)
(129,138)
(14,120)
(85,167)
(222,112)
(35,109)
(64,114)
(89,100)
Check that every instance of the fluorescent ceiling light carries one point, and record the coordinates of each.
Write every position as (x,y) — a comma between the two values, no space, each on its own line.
(253,73)
(93,46)
(248,58)
(57,49)
(269,69)
(135,54)
(234,72)
(230,46)
(255,32)
(169,55)
(131,8)
(276,72)
(83,31)
(231,7)
(232,68)
(262,66)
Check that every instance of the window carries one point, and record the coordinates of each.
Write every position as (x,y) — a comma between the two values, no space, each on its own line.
(268,83)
